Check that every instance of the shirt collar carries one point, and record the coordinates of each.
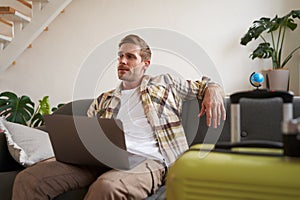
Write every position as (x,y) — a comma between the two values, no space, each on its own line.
(144,83)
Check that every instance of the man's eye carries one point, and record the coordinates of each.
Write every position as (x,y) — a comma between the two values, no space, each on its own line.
(129,57)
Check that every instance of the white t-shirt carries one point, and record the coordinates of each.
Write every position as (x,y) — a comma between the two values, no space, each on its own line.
(139,136)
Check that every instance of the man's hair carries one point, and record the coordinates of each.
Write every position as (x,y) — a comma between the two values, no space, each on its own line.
(145,52)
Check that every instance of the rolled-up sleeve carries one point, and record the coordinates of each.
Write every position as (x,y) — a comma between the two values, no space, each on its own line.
(189,89)
(92,111)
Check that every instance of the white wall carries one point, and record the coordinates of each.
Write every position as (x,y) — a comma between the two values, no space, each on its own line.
(51,66)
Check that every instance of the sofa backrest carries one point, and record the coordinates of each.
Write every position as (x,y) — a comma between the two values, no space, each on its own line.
(260,119)
(77,107)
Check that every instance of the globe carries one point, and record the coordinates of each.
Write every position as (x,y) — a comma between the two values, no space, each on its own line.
(256,79)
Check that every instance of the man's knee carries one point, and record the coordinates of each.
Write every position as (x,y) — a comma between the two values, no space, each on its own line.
(107,189)
(25,185)
(37,182)
(26,178)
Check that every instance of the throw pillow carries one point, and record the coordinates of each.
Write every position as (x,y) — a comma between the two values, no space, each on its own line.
(26,145)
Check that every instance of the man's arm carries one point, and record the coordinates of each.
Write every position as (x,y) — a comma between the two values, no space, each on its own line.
(211,94)
(213,105)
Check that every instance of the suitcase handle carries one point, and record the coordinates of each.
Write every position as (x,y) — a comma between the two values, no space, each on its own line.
(226,147)
(287,97)
(251,144)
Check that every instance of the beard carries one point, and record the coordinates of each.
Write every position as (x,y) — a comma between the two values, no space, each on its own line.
(123,72)
(130,74)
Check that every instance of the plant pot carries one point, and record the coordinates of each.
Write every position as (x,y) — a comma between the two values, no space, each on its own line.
(277,79)
(265,84)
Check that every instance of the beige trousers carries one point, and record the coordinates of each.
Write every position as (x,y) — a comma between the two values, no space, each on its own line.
(47,180)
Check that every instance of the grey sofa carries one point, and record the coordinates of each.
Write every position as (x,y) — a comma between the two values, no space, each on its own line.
(260,119)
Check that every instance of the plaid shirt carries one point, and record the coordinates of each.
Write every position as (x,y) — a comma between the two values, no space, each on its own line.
(162,97)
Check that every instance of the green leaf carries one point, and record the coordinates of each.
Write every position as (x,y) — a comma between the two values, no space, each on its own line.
(44,106)
(295,14)
(37,120)
(264,50)
(58,106)
(275,23)
(257,28)
(15,109)
(290,24)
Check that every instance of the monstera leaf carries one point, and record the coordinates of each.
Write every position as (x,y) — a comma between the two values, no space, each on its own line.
(37,120)
(257,28)
(16,109)
(57,107)
(264,50)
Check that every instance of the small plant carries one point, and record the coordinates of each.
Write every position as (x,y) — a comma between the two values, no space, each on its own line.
(276,29)
(22,110)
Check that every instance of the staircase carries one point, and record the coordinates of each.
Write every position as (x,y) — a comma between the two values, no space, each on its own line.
(19,30)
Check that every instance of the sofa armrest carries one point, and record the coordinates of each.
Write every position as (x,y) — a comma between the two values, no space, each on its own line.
(7,163)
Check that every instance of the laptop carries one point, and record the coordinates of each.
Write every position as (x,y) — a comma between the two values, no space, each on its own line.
(90,141)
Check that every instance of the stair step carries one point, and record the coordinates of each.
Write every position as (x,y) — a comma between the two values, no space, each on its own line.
(40,0)
(5,38)
(12,14)
(8,23)
(26,3)
(6,28)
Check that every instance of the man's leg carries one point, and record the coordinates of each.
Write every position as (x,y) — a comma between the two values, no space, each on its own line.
(47,180)
(137,183)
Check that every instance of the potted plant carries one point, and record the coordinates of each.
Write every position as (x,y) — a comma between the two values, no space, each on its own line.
(22,109)
(272,32)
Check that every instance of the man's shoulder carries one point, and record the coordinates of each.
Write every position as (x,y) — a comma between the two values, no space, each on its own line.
(106,94)
(161,79)
(110,92)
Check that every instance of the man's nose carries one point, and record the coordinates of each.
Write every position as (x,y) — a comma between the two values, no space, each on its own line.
(122,60)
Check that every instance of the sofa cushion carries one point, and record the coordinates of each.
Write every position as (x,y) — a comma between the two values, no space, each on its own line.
(7,163)
(7,181)
(25,144)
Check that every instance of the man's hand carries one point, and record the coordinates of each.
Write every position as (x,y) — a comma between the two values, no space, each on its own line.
(213,105)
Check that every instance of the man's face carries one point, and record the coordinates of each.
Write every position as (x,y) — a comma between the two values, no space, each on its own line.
(131,67)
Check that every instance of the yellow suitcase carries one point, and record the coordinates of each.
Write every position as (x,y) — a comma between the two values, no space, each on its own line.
(257,170)
(242,173)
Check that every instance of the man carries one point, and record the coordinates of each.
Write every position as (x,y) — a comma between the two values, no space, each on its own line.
(149,108)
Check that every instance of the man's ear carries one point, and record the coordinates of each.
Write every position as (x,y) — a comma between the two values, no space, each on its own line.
(147,64)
